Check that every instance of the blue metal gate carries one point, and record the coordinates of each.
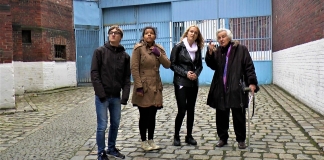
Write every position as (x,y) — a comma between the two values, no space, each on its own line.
(133,19)
(132,35)
(86,42)
(249,20)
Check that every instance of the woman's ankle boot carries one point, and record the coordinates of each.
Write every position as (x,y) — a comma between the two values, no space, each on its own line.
(190,140)
(176,141)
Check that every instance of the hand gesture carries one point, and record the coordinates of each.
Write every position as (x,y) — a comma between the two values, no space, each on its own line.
(211,47)
(156,52)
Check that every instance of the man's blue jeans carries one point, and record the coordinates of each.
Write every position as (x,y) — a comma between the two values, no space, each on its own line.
(114,107)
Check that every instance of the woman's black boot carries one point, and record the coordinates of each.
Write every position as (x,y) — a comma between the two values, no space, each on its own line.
(176,141)
(190,140)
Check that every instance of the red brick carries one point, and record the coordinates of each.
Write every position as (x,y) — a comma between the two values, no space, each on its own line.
(296,22)
(6,42)
(47,19)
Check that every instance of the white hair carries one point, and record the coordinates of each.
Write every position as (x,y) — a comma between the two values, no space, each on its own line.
(228,33)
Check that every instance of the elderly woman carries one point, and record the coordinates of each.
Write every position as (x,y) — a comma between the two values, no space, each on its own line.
(233,65)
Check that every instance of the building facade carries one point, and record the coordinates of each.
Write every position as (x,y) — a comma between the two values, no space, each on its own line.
(39,51)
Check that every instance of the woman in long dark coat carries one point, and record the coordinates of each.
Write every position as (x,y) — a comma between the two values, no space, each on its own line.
(233,66)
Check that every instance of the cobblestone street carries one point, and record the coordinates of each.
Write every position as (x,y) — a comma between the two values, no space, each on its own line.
(61,124)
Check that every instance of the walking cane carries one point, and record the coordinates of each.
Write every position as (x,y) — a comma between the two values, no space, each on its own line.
(251,101)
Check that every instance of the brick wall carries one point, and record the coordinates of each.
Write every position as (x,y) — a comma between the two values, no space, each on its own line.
(6,43)
(58,16)
(7,92)
(49,22)
(298,45)
(296,22)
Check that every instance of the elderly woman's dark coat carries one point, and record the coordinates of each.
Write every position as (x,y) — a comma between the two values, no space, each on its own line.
(240,65)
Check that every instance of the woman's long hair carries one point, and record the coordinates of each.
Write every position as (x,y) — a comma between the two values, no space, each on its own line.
(199,40)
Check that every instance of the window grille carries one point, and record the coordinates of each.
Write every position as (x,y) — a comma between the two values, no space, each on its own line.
(60,52)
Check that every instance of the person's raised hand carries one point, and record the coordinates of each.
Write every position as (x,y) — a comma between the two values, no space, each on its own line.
(156,52)
(211,47)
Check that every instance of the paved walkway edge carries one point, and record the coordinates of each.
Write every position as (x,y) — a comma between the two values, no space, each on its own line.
(309,120)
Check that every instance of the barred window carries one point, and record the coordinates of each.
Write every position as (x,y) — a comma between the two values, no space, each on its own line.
(60,52)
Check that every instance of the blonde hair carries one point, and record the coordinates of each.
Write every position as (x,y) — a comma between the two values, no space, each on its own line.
(199,40)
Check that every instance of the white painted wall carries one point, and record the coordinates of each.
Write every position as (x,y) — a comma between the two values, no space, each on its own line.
(28,76)
(64,75)
(7,91)
(300,71)
(40,76)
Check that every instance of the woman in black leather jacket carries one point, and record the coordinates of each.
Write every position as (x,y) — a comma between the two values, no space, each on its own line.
(186,63)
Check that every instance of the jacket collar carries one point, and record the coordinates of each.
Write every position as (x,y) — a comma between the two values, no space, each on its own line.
(119,48)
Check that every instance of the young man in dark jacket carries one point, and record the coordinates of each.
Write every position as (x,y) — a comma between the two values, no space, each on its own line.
(233,65)
(110,73)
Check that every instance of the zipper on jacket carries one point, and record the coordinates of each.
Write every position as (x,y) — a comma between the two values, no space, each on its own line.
(114,72)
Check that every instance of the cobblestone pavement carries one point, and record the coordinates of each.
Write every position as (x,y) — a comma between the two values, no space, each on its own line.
(61,125)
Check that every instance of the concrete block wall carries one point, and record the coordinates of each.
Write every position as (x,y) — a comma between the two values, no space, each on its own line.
(63,75)
(300,71)
(39,76)
(7,91)
(28,76)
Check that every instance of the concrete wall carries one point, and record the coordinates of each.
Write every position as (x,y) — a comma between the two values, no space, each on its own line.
(7,92)
(39,76)
(300,71)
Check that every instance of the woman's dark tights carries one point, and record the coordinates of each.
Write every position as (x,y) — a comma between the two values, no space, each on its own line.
(186,101)
(147,121)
